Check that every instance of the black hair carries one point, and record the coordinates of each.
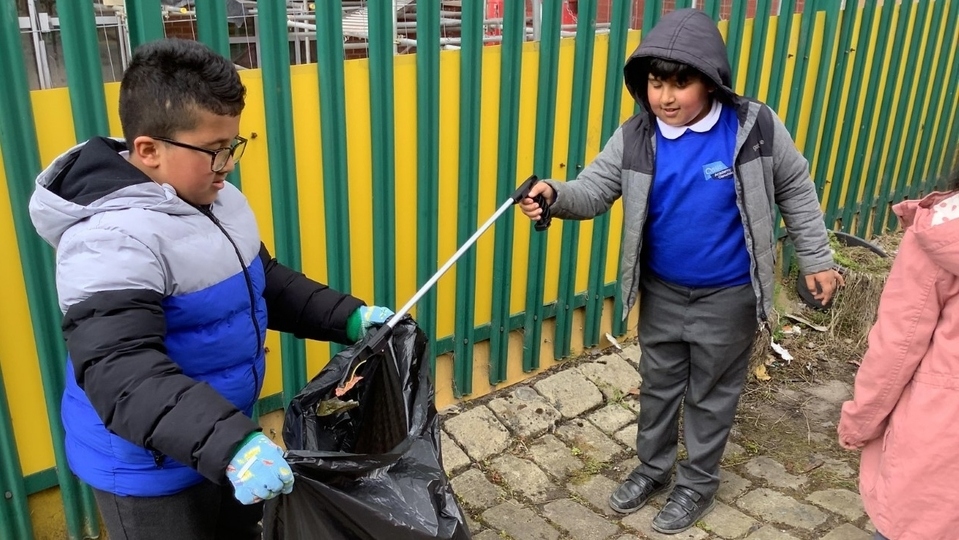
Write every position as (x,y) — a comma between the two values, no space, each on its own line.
(169,80)
(665,70)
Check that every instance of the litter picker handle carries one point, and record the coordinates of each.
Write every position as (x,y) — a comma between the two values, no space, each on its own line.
(377,342)
(523,191)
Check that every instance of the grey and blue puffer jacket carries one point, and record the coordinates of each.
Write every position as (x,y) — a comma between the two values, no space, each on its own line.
(166,308)
(768,169)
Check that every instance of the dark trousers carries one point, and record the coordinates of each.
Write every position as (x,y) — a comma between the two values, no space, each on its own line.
(879,536)
(696,344)
(203,512)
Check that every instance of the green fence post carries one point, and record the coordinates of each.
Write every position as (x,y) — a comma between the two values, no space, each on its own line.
(905,96)
(612,106)
(427,162)
(848,127)
(806,27)
(652,11)
(275,54)
(758,47)
(542,166)
(734,37)
(579,118)
(919,132)
(146,20)
(873,165)
(21,157)
(866,128)
(711,7)
(81,54)
(833,105)
(14,512)
(514,29)
(783,30)
(471,73)
(336,198)
(384,172)
(939,169)
(211,25)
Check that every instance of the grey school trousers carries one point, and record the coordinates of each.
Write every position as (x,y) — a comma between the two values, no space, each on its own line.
(696,344)
(206,511)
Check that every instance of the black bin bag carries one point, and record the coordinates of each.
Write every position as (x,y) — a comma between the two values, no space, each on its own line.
(373,471)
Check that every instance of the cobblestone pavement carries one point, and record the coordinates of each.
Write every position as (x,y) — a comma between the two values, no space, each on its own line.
(538,461)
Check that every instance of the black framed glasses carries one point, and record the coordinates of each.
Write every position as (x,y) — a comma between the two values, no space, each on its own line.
(219,157)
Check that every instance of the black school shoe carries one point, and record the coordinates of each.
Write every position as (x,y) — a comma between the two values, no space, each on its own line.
(635,492)
(683,509)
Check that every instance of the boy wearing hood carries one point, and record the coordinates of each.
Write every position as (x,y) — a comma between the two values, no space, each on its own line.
(699,170)
(167,294)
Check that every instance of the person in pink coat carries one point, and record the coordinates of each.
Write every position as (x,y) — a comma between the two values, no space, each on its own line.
(905,413)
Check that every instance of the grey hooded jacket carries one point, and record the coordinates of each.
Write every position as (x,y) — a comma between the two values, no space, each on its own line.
(768,169)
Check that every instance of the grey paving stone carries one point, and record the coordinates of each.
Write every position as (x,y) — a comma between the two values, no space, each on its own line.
(772,506)
(570,392)
(733,451)
(774,473)
(835,392)
(822,415)
(596,491)
(578,521)
(612,417)
(487,535)
(627,436)
(839,501)
(837,467)
(479,432)
(768,532)
(613,376)
(525,413)
(642,521)
(869,527)
(519,522)
(524,477)
(454,459)
(628,537)
(475,491)
(731,485)
(554,457)
(847,532)
(474,526)
(584,438)
(727,522)
(621,470)
(632,353)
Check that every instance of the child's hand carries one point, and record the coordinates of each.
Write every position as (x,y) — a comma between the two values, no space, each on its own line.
(530,207)
(258,471)
(823,285)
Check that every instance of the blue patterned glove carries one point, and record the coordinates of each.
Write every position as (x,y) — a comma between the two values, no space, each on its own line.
(364,318)
(258,470)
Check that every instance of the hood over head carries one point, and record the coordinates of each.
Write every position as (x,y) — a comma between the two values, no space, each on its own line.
(941,241)
(687,36)
(94,177)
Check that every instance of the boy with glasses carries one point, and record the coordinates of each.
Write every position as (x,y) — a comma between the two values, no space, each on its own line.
(167,294)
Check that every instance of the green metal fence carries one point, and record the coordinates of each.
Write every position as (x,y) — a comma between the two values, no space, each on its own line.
(842,78)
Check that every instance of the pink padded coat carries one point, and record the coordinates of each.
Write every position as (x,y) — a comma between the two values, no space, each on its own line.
(905,410)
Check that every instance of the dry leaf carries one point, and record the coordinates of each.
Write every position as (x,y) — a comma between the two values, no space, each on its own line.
(633,391)
(340,390)
(760,373)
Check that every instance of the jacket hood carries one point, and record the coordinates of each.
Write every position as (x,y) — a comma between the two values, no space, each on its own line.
(940,242)
(91,178)
(688,36)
